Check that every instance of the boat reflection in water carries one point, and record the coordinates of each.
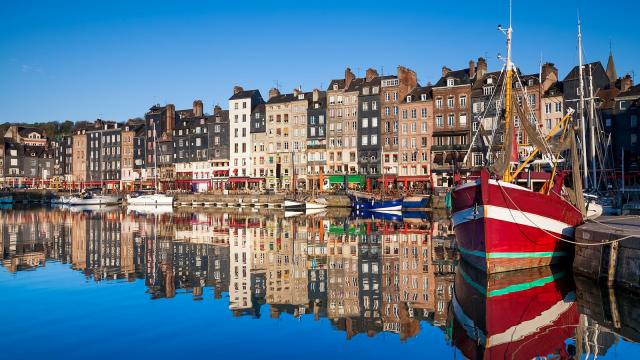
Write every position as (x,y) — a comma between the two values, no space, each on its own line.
(521,314)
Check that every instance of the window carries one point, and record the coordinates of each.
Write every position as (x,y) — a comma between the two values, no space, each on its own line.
(487,90)
(450,82)
(463,101)
(374,105)
(423,112)
(547,108)
(365,106)
(365,140)
(408,98)
(395,110)
(476,125)
(404,114)
(548,123)
(387,111)
(413,113)
(463,120)
(633,139)
(450,102)
(386,96)
(439,121)
(438,103)
(516,121)
(374,122)
(423,97)
(450,120)
(558,107)
(332,100)
(477,159)
(634,121)
(365,123)
(607,122)
(374,139)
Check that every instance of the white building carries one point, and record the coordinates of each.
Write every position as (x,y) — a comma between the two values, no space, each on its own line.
(241,105)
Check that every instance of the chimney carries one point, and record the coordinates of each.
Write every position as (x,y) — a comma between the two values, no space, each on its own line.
(273,92)
(408,79)
(197,108)
(316,95)
(170,118)
(549,70)
(472,69)
(348,77)
(237,89)
(482,68)
(371,74)
(626,83)
(296,92)
(445,71)
(217,109)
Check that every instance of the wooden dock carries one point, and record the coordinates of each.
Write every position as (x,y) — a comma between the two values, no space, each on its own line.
(615,262)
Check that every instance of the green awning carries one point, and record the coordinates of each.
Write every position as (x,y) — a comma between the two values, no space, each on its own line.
(352,179)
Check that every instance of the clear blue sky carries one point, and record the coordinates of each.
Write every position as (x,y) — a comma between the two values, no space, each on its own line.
(79,60)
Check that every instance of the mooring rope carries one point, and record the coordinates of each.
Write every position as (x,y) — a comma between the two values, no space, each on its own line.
(558,237)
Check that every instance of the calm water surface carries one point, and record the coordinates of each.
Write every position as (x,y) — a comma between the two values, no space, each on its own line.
(238,283)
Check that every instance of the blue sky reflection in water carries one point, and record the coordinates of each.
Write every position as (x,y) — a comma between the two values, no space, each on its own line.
(74,317)
(56,310)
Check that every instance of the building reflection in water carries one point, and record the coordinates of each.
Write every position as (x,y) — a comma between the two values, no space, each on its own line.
(365,275)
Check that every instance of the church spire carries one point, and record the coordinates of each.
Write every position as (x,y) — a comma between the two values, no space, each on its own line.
(611,67)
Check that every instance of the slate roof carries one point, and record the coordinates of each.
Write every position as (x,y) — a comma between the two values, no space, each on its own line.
(461,77)
(244,94)
(416,93)
(556,89)
(574,73)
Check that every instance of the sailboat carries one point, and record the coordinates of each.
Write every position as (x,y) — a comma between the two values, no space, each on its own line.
(501,225)
(154,199)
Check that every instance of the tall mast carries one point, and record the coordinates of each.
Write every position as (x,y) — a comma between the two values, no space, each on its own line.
(592,136)
(508,112)
(583,132)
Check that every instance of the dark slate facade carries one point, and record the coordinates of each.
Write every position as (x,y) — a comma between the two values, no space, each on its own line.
(317,132)
(218,130)
(13,159)
(626,131)
(110,156)
(190,138)
(571,83)
(64,156)
(158,121)
(369,145)
(258,119)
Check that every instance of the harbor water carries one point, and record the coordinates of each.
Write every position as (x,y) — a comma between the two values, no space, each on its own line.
(108,283)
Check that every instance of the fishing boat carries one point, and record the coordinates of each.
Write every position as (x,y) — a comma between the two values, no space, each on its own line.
(373,202)
(523,314)
(416,202)
(393,215)
(502,225)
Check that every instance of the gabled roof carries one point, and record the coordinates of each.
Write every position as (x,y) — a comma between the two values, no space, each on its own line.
(460,77)
(633,91)
(282,98)
(555,89)
(244,94)
(417,92)
(575,72)
(339,82)
(24,131)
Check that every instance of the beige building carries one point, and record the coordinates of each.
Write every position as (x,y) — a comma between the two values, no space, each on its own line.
(279,140)
(342,124)
(79,163)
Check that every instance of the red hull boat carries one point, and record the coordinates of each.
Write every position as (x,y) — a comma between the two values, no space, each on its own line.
(501,226)
(524,314)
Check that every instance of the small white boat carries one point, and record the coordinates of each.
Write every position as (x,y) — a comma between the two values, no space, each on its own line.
(150,199)
(289,214)
(318,203)
(94,199)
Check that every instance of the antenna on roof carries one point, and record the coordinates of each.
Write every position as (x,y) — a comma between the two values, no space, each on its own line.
(381,70)
(277,84)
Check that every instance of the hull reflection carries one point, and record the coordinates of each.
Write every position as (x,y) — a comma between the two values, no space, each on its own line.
(513,315)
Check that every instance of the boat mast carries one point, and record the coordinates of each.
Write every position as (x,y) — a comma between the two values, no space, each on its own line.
(583,132)
(508,91)
(592,136)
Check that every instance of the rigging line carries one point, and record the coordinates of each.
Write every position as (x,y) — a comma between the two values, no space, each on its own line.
(496,118)
(484,114)
(556,236)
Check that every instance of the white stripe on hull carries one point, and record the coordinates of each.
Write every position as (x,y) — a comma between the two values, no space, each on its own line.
(513,216)
(390,208)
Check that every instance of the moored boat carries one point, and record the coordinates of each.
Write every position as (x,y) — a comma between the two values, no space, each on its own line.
(93,199)
(317,203)
(6,199)
(155,199)
(416,202)
(372,202)
(501,226)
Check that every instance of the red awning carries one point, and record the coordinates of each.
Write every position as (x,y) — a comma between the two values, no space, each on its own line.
(414,178)
(238,179)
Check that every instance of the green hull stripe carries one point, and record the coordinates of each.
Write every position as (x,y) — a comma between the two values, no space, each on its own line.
(526,286)
(512,288)
(512,255)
